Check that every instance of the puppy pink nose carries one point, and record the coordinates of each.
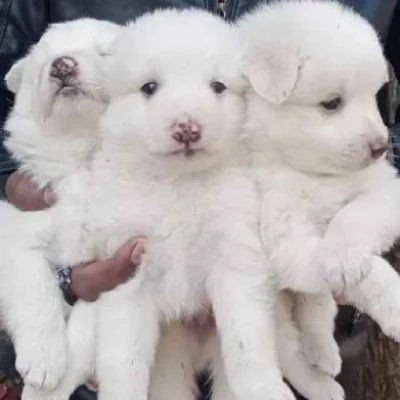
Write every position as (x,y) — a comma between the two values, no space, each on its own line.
(378,147)
(64,69)
(186,132)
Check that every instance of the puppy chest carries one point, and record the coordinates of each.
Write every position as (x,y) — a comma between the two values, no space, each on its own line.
(168,219)
(177,281)
(305,205)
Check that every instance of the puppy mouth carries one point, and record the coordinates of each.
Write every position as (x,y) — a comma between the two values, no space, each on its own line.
(65,75)
(71,91)
(186,152)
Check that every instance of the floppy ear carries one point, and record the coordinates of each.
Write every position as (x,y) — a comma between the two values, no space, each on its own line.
(274,75)
(14,75)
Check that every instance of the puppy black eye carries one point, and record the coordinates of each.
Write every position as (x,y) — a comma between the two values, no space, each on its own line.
(332,105)
(149,88)
(218,87)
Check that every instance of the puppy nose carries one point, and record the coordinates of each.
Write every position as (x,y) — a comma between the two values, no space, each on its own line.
(64,68)
(186,132)
(378,147)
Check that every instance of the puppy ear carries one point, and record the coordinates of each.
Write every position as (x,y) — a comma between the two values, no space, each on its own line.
(14,75)
(274,75)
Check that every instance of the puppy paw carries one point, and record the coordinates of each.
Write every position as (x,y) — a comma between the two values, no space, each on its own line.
(344,264)
(316,385)
(329,390)
(30,393)
(281,392)
(273,391)
(42,361)
(61,392)
(389,322)
(379,297)
(324,355)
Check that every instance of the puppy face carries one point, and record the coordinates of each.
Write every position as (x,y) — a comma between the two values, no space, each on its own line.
(314,88)
(63,75)
(177,90)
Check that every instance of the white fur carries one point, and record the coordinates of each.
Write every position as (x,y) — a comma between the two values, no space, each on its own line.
(200,213)
(308,380)
(183,352)
(311,163)
(52,134)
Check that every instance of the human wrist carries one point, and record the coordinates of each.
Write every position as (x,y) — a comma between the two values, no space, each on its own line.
(83,282)
(64,279)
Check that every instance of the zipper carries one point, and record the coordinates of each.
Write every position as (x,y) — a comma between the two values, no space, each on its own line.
(229,8)
(221,9)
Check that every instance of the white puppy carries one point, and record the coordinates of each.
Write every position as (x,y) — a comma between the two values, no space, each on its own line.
(53,131)
(168,169)
(181,351)
(318,139)
(53,126)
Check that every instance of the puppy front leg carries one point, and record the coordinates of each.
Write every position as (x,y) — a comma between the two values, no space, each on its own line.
(315,316)
(309,381)
(173,373)
(31,302)
(378,295)
(128,330)
(34,317)
(348,245)
(221,389)
(82,353)
(243,299)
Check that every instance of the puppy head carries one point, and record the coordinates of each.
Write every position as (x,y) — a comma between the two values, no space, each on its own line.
(63,74)
(315,68)
(176,89)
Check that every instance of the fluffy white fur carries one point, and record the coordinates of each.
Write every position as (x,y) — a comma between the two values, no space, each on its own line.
(198,209)
(329,208)
(52,134)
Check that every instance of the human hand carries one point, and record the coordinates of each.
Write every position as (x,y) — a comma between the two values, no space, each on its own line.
(22,193)
(89,280)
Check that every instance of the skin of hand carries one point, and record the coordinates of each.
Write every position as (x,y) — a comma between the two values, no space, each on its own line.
(22,193)
(88,280)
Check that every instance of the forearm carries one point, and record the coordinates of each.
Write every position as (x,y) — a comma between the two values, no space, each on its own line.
(87,281)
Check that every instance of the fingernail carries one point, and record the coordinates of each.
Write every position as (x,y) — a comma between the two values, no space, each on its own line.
(136,257)
(49,197)
(340,300)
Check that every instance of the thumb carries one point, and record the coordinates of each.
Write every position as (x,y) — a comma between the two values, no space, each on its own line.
(128,257)
(138,251)
(49,196)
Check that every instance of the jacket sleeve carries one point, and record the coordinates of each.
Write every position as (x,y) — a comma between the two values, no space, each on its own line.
(393,54)
(22,22)
(393,47)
